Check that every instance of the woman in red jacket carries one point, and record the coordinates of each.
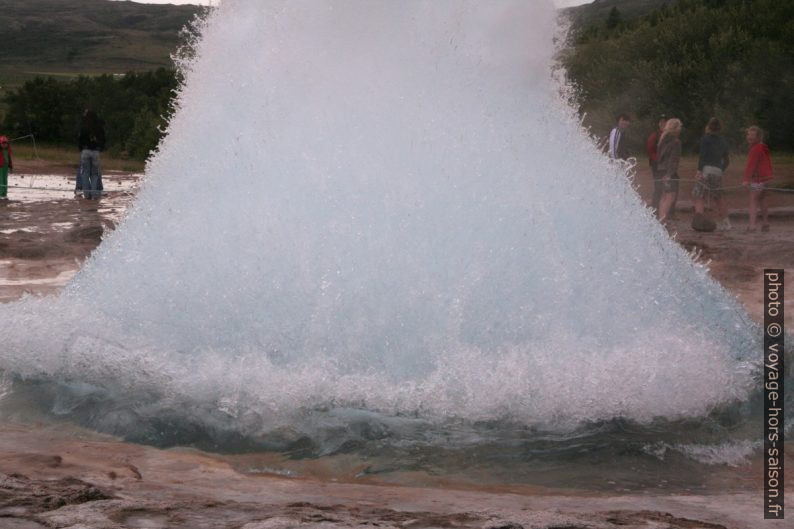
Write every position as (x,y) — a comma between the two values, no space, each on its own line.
(6,166)
(757,173)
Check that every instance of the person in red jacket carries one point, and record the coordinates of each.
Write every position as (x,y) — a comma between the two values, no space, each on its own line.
(757,173)
(6,166)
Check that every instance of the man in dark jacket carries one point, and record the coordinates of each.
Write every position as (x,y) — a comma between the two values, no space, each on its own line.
(714,159)
(91,141)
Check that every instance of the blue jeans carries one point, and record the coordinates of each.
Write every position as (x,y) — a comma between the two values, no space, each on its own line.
(78,186)
(91,173)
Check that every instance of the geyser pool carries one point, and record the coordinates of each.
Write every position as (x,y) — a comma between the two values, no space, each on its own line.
(381,222)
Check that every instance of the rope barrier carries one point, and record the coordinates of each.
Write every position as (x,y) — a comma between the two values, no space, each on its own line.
(32,137)
(32,187)
(57,189)
(70,191)
(725,188)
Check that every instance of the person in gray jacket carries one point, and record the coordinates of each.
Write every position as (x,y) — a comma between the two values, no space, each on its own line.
(669,158)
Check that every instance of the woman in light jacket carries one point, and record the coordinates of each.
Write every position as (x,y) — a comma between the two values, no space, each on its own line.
(669,157)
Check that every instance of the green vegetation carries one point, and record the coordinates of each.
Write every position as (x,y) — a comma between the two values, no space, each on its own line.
(690,59)
(60,56)
(133,106)
(686,58)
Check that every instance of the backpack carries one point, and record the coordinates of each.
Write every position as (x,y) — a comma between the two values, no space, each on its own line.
(701,222)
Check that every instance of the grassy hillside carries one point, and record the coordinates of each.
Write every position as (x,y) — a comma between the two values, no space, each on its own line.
(597,13)
(69,37)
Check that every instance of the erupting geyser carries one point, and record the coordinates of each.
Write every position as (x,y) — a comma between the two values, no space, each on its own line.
(388,207)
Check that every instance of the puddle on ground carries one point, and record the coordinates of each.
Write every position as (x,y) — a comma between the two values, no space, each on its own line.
(146,521)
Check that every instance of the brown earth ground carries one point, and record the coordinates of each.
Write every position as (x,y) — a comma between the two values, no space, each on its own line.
(59,476)
(46,232)
(737,258)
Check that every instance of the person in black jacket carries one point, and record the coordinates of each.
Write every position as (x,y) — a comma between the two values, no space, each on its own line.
(713,161)
(91,142)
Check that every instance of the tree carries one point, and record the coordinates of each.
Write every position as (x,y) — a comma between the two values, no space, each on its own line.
(615,19)
(134,107)
(732,58)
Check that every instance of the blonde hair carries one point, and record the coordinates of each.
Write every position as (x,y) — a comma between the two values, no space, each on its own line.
(759,132)
(673,126)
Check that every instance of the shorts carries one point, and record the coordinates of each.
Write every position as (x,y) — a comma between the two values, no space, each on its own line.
(670,186)
(710,184)
(758,186)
